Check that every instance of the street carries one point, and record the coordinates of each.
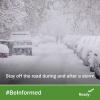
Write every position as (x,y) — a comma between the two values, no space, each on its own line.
(52,59)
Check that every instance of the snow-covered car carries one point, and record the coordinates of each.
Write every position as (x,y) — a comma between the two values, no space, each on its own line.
(97,63)
(87,47)
(4,51)
(97,71)
(21,43)
(94,63)
(96,66)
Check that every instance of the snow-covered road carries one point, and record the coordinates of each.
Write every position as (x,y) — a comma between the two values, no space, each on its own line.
(47,59)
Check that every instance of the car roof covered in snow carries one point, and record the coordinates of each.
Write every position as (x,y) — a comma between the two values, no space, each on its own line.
(20,36)
(22,46)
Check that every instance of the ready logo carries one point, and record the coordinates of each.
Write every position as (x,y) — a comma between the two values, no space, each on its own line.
(86,94)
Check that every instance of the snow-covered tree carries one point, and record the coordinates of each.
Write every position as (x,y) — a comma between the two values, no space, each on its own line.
(12,14)
(75,16)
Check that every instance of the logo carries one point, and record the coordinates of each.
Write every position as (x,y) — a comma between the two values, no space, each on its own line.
(86,94)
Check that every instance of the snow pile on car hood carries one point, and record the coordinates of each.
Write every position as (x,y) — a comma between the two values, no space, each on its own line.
(4,49)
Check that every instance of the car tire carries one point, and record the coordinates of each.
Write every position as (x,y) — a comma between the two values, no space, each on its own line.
(91,69)
(97,76)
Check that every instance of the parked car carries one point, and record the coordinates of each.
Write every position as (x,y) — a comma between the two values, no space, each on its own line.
(97,71)
(4,51)
(94,64)
(97,65)
(21,43)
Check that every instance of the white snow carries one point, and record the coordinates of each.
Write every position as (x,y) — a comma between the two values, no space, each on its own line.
(53,58)
(4,49)
(40,39)
(83,44)
(21,36)
(50,48)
